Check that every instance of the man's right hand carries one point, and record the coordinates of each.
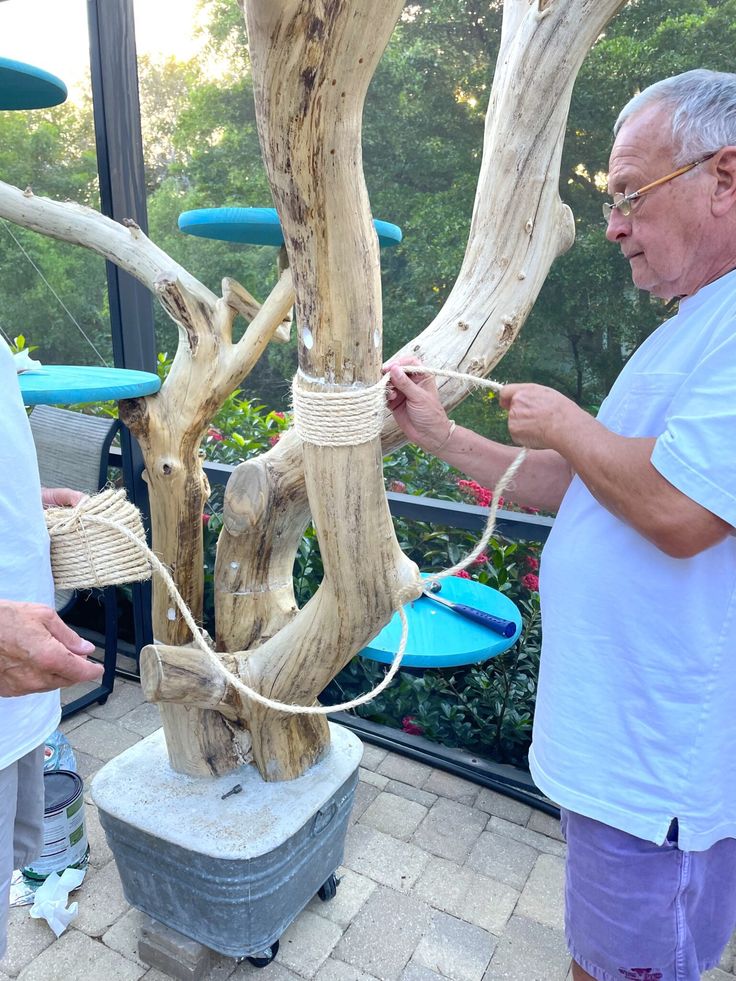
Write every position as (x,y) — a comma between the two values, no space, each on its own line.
(416,407)
(39,652)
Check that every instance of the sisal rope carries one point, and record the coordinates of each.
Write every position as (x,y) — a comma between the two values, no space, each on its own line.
(87,552)
(119,533)
(354,415)
(344,418)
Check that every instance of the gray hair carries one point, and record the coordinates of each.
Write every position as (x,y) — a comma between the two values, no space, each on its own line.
(703,105)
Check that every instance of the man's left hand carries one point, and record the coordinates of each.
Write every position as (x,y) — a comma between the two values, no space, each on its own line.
(538,416)
(61,497)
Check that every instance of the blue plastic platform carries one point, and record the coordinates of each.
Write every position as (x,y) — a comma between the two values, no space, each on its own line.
(256,226)
(27,87)
(60,384)
(441,638)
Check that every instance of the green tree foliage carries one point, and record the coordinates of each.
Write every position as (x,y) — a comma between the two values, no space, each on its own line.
(589,318)
(52,152)
(422,139)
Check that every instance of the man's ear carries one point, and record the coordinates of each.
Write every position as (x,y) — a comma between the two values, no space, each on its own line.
(724,196)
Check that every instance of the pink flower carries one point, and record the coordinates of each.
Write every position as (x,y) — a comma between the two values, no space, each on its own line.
(481,495)
(464,574)
(273,440)
(531,563)
(215,434)
(205,519)
(280,415)
(409,725)
(481,560)
(398,486)
(530,581)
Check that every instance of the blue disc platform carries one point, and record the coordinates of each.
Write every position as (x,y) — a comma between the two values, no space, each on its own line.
(441,638)
(61,384)
(27,87)
(256,226)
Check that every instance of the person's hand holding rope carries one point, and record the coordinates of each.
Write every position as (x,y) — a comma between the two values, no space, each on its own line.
(415,404)
(539,417)
(38,651)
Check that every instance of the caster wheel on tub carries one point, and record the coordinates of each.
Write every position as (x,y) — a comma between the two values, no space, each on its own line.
(264,957)
(328,889)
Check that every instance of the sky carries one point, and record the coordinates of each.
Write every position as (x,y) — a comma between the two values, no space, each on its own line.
(52,34)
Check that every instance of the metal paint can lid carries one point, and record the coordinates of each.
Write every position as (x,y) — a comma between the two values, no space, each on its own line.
(60,788)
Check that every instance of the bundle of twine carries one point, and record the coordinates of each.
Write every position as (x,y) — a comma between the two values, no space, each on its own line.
(94,544)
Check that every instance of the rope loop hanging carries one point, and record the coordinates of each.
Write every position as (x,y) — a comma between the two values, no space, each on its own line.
(101,541)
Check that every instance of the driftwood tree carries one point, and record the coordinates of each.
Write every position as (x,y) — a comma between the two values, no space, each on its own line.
(312,62)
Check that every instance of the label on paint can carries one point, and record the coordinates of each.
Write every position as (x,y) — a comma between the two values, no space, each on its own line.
(64,836)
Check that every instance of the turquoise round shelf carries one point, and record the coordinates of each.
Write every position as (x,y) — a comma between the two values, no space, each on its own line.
(27,87)
(256,226)
(61,384)
(441,638)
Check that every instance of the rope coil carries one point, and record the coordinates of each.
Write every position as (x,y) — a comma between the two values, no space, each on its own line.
(355,415)
(87,553)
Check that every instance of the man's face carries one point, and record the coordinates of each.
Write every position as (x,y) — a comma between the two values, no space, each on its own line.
(665,238)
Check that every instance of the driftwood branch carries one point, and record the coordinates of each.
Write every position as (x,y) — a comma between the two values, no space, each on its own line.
(182,674)
(122,243)
(238,297)
(519,223)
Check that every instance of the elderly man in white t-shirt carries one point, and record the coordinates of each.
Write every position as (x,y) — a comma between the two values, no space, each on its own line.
(635,722)
(38,652)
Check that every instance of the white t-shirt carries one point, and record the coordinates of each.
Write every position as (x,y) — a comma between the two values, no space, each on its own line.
(25,570)
(635,721)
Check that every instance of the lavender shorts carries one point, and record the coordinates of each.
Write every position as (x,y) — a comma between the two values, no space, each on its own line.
(636,911)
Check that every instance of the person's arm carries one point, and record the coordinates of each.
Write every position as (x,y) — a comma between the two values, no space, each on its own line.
(542,479)
(617,470)
(39,652)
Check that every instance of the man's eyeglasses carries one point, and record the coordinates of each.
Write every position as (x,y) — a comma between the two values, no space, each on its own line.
(625,203)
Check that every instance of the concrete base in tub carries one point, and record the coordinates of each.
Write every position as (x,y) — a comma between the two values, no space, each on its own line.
(230,873)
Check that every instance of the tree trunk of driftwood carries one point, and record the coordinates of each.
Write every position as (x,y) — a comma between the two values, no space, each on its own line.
(169,429)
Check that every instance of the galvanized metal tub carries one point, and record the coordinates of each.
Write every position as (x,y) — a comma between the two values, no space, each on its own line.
(230,873)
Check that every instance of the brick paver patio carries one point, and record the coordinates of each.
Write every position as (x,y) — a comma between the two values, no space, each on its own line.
(441,879)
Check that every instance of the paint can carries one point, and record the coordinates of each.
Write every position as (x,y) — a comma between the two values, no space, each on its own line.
(64,836)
